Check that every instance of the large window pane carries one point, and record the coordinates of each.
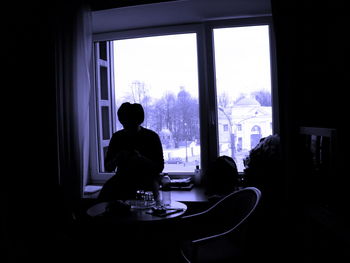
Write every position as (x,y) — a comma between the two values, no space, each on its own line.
(105,123)
(104,83)
(161,74)
(243,81)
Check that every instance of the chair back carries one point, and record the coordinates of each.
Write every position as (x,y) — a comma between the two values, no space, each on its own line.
(227,213)
(215,231)
(321,145)
(321,142)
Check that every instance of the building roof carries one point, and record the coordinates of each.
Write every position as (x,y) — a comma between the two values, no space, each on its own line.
(247,102)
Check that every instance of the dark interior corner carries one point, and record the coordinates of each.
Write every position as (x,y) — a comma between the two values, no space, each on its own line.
(108,4)
(38,214)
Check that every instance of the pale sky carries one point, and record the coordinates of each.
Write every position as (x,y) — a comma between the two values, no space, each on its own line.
(162,63)
(242,61)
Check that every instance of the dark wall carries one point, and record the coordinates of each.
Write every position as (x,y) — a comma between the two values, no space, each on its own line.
(310,40)
(29,121)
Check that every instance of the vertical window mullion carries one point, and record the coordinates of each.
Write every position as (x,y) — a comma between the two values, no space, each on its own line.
(274,89)
(207,96)
(113,111)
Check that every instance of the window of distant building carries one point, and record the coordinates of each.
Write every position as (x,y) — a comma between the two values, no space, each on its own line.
(225,127)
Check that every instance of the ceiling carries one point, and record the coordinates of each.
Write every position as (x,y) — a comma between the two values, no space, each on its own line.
(140,14)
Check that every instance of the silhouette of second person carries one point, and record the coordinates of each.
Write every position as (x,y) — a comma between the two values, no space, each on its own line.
(135,154)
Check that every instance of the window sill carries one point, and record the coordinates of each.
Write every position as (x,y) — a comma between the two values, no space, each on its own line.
(91,191)
(196,194)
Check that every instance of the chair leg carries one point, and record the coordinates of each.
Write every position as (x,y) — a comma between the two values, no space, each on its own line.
(191,257)
(185,257)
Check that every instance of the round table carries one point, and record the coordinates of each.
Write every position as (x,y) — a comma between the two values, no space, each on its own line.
(135,213)
(138,235)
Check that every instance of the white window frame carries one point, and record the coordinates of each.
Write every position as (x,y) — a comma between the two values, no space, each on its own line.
(206,82)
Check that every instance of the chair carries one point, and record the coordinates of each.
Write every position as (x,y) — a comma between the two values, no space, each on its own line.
(325,234)
(321,144)
(216,234)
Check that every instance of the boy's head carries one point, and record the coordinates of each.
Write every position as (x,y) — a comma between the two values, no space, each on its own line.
(131,115)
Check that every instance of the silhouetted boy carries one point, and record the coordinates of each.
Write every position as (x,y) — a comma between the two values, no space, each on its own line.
(136,154)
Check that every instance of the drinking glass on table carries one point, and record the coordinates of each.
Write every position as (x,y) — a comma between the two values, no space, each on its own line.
(166,193)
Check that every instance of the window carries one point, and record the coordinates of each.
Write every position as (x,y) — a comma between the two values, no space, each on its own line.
(243,86)
(199,110)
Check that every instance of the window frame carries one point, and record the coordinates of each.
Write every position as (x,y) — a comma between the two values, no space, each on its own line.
(206,81)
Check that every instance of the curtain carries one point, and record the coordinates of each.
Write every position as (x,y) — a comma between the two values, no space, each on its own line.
(74,68)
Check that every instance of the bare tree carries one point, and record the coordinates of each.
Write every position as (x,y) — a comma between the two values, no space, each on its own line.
(223,100)
(263,97)
(187,111)
(140,94)
(169,100)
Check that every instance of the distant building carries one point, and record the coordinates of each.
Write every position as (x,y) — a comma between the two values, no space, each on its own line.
(244,124)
